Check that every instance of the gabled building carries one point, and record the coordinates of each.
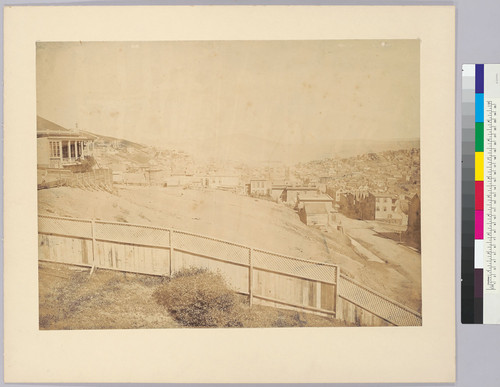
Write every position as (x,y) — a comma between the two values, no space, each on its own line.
(290,194)
(58,147)
(314,214)
(385,207)
(260,187)
(220,181)
(302,200)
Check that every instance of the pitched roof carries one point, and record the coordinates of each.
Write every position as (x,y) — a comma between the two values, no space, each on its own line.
(315,208)
(46,128)
(45,125)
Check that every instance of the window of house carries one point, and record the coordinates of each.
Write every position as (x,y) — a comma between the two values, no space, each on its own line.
(65,150)
(54,149)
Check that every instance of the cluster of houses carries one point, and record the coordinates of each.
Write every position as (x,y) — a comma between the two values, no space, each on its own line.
(317,200)
(318,205)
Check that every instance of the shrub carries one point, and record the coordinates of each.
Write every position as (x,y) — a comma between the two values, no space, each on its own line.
(199,298)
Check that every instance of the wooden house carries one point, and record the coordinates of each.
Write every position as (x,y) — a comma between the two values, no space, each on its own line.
(314,214)
(58,147)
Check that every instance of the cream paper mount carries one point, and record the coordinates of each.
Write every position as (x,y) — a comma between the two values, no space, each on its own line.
(368,354)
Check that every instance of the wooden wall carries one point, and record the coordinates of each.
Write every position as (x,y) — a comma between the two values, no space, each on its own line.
(65,250)
(356,315)
(156,261)
(270,278)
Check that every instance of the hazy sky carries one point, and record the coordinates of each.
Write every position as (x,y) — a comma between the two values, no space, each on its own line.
(288,91)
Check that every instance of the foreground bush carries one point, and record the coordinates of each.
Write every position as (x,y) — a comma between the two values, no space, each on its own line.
(199,298)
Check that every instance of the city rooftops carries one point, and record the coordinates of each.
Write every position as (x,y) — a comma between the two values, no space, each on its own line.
(304,188)
(384,195)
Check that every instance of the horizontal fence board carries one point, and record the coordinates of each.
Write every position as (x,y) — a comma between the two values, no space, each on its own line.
(267,301)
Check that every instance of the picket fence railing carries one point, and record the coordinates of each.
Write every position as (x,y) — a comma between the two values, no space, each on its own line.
(265,277)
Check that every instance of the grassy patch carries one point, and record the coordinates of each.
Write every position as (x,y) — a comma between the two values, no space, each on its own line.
(69,298)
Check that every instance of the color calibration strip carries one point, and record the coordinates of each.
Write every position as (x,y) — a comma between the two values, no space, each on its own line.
(480,98)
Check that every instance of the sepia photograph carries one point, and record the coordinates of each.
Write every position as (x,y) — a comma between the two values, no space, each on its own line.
(228,184)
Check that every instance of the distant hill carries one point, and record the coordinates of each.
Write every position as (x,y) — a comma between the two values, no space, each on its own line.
(125,143)
(254,150)
(120,151)
(257,151)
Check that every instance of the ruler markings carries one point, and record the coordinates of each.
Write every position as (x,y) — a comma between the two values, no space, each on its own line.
(479,179)
(491,286)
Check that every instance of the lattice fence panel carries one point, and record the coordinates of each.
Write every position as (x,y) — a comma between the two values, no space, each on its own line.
(132,234)
(62,226)
(211,247)
(377,304)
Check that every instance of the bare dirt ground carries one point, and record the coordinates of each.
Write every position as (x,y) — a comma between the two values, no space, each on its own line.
(389,268)
(398,259)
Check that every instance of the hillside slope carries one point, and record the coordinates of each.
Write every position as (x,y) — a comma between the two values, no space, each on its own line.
(240,219)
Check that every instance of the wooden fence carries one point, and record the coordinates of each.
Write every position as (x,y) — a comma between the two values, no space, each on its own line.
(95,179)
(267,278)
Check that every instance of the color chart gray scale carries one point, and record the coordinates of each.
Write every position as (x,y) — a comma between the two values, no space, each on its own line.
(480,208)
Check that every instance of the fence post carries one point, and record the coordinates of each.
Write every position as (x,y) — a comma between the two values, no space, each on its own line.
(338,308)
(250,276)
(171,243)
(94,255)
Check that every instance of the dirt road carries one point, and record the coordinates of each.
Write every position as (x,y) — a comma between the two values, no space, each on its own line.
(403,262)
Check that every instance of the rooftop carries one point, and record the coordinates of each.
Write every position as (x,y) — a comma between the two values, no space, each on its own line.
(46,128)
(315,198)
